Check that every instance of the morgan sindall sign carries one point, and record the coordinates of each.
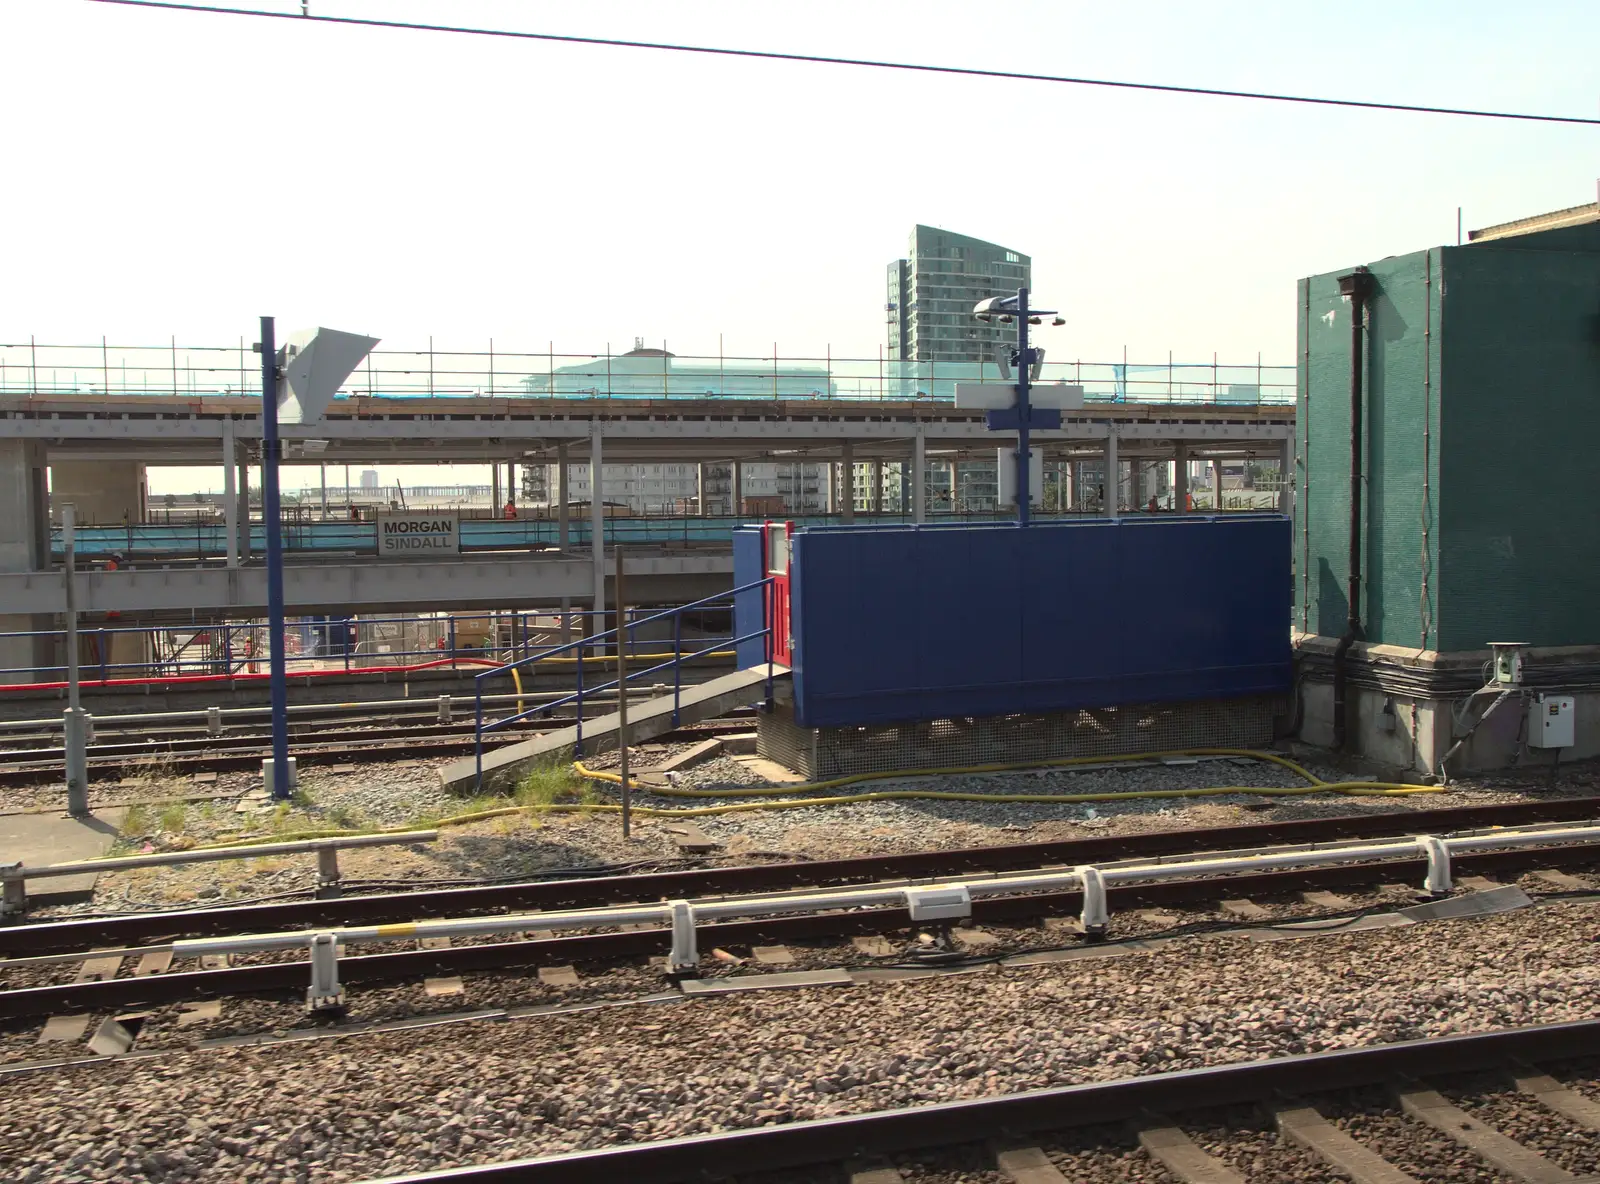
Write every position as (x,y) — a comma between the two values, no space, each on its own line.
(418,536)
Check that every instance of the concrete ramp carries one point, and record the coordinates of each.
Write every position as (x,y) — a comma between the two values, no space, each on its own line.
(647,719)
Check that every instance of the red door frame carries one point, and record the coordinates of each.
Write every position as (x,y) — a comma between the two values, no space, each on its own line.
(776,555)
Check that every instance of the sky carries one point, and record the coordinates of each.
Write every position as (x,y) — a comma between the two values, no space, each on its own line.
(173,173)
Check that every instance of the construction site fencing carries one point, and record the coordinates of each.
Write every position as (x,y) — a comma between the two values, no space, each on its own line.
(38,368)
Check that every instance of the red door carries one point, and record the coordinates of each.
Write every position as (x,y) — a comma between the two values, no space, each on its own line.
(778,568)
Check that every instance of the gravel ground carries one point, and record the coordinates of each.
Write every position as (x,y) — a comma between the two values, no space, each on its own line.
(1370,1117)
(1246,1140)
(1104,1153)
(384,1103)
(1525,1120)
(407,792)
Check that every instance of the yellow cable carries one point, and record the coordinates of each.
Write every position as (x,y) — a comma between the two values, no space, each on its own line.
(1315,785)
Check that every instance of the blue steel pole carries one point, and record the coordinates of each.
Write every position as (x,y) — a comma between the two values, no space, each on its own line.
(1024,488)
(270,449)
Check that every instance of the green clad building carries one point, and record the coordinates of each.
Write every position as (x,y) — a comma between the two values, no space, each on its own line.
(1475,386)
(929,309)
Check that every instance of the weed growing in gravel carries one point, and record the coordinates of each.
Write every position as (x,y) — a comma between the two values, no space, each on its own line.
(156,767)
(136,823)
(550,784)
(347,817)
(174,818)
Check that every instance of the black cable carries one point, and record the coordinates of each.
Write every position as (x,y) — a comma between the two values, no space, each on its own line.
(821,59)
(940,959)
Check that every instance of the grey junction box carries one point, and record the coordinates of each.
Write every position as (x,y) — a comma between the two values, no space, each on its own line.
(1551,721)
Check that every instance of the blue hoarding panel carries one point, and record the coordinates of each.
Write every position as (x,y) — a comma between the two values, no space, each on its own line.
(748,607)
(908,623)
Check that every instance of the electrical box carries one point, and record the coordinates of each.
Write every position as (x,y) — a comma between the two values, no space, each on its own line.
(1551,722)
(943,902)
(1507,662)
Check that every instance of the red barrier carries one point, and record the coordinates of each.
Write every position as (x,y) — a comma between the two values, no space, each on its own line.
(192,679)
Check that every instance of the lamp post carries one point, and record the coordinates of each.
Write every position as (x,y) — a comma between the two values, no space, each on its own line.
(300,380)
(1011,408)
(280,778)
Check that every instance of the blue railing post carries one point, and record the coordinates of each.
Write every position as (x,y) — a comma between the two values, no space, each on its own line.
(451,632)
(101,646)
(477,739)
(577,742)
(677,664)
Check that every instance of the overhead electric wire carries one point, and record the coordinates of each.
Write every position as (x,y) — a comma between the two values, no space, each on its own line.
(872,63)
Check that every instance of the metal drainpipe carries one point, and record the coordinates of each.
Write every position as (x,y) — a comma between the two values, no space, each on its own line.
(1358,287)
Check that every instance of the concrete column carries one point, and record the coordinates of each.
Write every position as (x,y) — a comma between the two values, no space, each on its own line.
(1069,485)
(877,486)
(494,489)
(511,481)
(244,508)
(230,496)
(700,487)
(24,546)
(563,494)
(1180,480)
(1113,475)
(738,487)
(597,525)
(1216,486)
(1286,476)
(105,492)
(847,483)
(919,478)
(955,486)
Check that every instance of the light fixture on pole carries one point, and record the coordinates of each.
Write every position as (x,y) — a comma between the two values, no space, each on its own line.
(1009,407)
(297,382)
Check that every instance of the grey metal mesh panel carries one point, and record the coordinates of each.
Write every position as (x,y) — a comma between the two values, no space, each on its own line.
(819,753)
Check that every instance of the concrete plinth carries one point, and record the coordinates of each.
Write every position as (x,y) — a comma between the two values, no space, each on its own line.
(37,840)
(1410,707)
(818,753)
(269,775)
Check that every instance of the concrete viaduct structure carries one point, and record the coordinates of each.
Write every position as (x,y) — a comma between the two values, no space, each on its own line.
(94,448)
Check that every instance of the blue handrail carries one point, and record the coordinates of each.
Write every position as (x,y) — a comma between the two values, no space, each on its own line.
(596,640)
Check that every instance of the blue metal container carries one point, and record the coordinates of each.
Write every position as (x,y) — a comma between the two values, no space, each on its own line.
(933,622)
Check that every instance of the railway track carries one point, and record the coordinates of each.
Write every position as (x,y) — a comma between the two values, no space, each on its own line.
(394,961)
(313,745)
(27,938)
(1387,1114)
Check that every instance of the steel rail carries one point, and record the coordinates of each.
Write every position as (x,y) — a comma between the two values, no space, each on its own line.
(291,976)
(357,748)
(41,937)
(943,1124)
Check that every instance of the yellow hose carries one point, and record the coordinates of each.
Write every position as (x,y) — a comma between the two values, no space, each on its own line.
(1315,785)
